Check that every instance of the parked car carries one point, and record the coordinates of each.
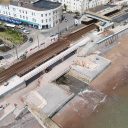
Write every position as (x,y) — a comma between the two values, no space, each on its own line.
(6,83)
(22,28)
(65,20)
(22,57)
(30,39)
(48,69)
(52,35)
(26,31)
(1,57)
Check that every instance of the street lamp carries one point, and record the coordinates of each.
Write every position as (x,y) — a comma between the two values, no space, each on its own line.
(38,41)
(58,31)
(16,51)
(66,25)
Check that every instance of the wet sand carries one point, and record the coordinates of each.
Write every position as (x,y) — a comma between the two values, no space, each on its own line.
(75,113)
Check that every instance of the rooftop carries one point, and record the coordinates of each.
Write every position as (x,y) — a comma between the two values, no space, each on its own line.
(38,5)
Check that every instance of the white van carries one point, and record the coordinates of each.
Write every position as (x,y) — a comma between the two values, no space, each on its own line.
(10,25)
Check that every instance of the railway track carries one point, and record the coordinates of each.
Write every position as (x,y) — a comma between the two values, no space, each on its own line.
(41,56)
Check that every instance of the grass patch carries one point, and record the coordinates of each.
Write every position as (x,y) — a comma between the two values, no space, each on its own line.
(1,41)
(13,36)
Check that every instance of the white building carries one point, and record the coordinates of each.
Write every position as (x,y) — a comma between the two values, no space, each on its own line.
(40,14)
(81,5)
(121,2)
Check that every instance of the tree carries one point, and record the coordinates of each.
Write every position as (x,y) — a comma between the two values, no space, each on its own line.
(65,7)
(2,29)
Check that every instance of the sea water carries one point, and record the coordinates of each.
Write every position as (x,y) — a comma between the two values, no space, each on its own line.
(113,113)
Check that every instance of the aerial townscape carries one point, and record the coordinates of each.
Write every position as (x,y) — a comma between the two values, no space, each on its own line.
(63,63)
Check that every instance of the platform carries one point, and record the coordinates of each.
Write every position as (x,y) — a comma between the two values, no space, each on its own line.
(88,68)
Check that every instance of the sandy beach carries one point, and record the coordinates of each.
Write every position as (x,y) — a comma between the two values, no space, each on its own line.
(117,73)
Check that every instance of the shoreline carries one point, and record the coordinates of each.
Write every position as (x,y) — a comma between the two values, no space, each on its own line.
(114,76)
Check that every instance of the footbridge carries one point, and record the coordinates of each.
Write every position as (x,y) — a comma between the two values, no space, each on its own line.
(97,16)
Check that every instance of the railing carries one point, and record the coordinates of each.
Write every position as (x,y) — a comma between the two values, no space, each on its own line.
(114,36)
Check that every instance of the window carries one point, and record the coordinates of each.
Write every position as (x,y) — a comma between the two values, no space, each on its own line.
(42,15)
(14,15)
(14,9)
(33,14)
(34,20)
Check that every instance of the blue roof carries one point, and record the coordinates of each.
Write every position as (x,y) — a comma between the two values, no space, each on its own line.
(10,20)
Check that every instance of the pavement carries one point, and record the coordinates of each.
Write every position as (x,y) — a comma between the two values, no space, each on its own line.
(28,121)
(47,99)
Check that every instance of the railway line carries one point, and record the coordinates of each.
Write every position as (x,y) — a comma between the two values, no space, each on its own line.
(42,56)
